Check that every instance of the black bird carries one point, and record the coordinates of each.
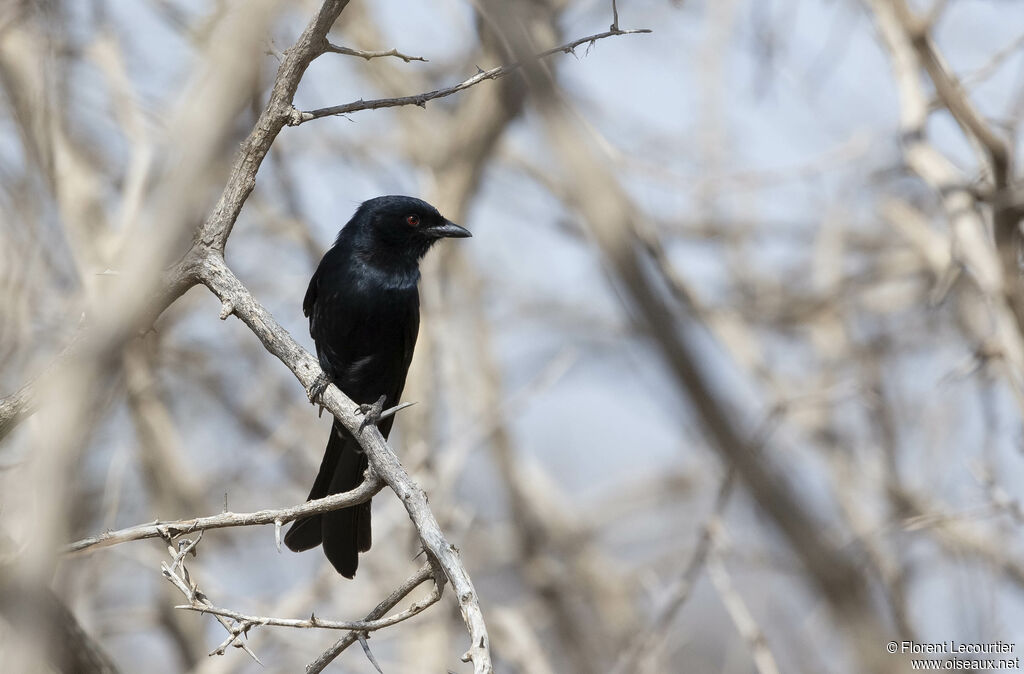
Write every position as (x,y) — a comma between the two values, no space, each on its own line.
(364,313)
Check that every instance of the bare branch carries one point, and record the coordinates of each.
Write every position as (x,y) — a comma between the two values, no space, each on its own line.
(313,622)
(312,43)
(370,486)
(424,573)
(336,49)
(421,100)
(744,621)
(644,642)
(187,587)
(994,270)
(16,407)
(953,95)
(994,63)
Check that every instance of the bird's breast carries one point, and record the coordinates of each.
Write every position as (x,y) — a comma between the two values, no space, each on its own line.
(367,338)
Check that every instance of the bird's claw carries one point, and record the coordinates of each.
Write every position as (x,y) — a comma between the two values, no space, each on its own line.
(317,388)
(371,413)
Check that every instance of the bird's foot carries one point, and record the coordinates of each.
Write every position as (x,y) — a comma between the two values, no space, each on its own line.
(316,390)
(371,413)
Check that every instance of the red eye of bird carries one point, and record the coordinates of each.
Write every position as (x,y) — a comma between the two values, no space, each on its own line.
(413,220)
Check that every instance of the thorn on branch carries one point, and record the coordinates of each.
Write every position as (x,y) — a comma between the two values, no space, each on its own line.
(420,100)
(227,308)
(392,411)
(362,636)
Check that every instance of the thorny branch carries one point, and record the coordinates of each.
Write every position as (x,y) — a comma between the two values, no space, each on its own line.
(337,49)
(313,622)
(425,573)
(421,100)
(370,486)
(178,575)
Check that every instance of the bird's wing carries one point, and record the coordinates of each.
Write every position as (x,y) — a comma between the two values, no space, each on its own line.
(412,328)
(330,325)
(310,299)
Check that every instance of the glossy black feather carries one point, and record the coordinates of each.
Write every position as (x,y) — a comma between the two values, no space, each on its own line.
(363,309)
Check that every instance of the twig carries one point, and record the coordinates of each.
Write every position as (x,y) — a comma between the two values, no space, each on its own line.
(994,63)
(24,402)
(392,411)
(337,49)
(313,622)
(953,95)
(744,621)
(644,642)
(424,573)
(214,232)
(298,117)
(370,486)
(993,269)
(997,494)
(191,591)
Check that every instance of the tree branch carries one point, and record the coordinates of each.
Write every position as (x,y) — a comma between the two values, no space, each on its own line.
(645,641)
(191,590)
(364,492)
(337,49)
(994,269)
(424,573)
(313,622)
(298,117)
(312,43)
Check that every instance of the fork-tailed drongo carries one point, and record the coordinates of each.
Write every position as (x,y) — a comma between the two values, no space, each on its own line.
(364,313)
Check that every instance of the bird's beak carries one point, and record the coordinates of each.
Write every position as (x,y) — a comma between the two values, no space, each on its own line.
(449,230)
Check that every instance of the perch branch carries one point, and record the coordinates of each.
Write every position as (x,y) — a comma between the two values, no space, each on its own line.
(370,486)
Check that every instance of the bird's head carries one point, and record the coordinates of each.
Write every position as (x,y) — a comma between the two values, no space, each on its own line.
(397,229)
